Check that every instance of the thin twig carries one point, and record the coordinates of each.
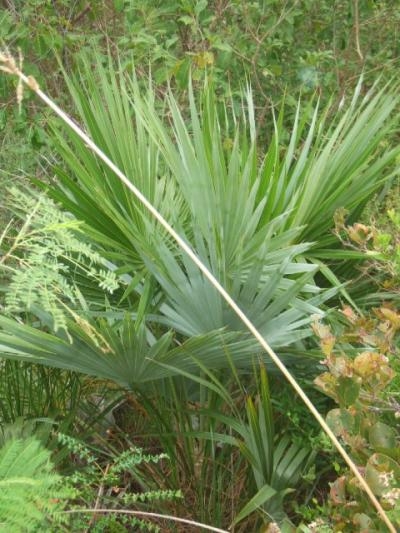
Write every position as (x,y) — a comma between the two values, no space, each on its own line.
(11,67)
(100,493)
(82,13)
(149,515)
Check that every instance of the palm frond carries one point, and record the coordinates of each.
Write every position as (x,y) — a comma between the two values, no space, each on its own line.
(209,192)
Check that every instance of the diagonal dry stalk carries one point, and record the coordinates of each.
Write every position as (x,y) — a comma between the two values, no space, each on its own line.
(10,67)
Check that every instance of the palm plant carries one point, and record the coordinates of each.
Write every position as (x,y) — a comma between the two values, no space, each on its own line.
(243,218)
(213,428)
(210,194)
(276,462)
(210,181)
(247,222)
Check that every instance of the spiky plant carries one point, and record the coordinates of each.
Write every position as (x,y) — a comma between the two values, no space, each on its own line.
(255,259)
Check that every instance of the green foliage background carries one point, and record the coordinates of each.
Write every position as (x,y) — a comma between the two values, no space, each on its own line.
(156,332)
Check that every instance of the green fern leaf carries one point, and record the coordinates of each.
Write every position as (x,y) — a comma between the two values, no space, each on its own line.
(31,493)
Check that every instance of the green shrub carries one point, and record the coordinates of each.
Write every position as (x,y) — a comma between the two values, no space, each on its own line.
(362,361)
(107,483)
(379,244)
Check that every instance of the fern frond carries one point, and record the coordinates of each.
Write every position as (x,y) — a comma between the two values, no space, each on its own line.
(31,492)
(45,256)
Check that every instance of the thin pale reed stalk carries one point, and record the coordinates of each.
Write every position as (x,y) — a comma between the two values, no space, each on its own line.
(11,67)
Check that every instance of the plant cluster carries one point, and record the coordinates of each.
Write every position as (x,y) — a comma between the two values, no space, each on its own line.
(37,258)
(34,497)
(362,361)
(167,334)
(379,243)
(263,40)
(106,483)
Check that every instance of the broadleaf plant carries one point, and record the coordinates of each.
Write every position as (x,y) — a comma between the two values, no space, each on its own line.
(361,359)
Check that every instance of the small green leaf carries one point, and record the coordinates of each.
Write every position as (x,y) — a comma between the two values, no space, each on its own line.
(340,421)
(119,5)
(181,71)
(382,473)
(347,390)
(200,6)
(363,522)
(382,436)
(186,20)
(224,47)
